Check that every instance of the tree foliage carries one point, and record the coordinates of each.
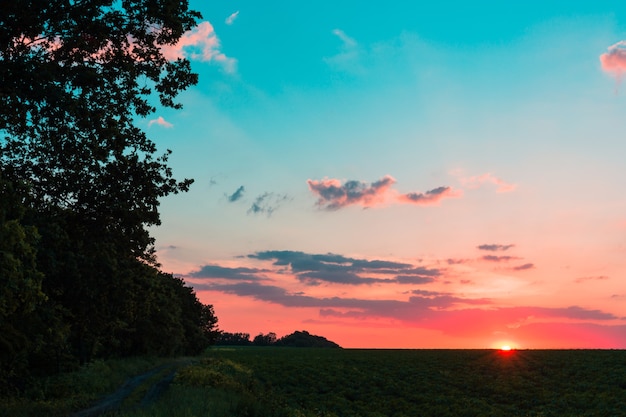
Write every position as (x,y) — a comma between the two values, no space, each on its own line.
(305,339)
(75,75)
(233,339)
(20,283)
(295,339)
(81,183)
(264,339)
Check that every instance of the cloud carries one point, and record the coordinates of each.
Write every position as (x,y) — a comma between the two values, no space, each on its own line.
(267,203)
(236,195)
(431,197)
(451,313)
(337,275)
(614,61)
(478,180)
(415,308)
(239,273)
(495,247)
(333,194)
(494,258)
(413,279)
(314,269)
(426,309)
(524,267)
(230,19)
(161,122)
(596,278)
(348,42)
(201,44)
(451,261)
(347,59)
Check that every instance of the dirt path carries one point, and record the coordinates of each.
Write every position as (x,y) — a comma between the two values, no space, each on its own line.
(114,401)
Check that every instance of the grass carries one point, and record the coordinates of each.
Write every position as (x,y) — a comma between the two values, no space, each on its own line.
(59,395)
(280,382)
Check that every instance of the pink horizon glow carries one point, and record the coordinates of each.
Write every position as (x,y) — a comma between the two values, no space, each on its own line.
(394,303)
(485,330)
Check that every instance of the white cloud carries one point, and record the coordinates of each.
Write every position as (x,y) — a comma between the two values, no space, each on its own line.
(230,19)
(348,57)
(348,42)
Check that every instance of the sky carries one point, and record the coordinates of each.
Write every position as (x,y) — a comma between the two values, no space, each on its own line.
(403,174)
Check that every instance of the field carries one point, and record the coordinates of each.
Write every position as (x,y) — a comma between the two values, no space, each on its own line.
(372,383)
(272,381)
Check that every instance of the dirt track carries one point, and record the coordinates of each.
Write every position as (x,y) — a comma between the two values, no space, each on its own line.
(114,401)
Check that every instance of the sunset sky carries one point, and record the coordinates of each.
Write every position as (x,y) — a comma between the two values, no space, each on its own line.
(404,174)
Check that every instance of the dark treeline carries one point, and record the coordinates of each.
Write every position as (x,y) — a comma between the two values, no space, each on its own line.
(80,186)
(295,339)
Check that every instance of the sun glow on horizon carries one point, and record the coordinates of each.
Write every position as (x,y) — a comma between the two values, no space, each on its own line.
(506,348)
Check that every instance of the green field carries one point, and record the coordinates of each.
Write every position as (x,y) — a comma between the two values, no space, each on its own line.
(273,381)
(334,382)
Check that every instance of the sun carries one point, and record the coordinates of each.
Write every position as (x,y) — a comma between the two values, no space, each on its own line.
(506,347)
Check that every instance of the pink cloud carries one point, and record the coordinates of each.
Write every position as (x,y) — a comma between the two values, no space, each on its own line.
(281,280)
(584,279)
(524,267)
(161,122)
(495,258)
(200,43)
(614,61)
(333,194)
(431,197)
(478,180)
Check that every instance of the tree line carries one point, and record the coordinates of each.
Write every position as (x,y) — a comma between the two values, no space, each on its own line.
(295,339)
(80,186)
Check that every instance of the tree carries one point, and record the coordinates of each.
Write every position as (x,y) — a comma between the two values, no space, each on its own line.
(75,76)
(305,339)
(20,284)
(264,339)
(233,339)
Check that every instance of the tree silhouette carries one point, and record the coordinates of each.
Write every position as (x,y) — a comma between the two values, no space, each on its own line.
(75,77)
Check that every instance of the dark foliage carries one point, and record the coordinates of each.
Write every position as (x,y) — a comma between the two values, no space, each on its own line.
(233,339)
(80,185)
(264,339)
(295,339)
(305,339)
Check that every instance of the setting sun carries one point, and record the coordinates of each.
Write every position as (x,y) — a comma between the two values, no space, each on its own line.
(506,347)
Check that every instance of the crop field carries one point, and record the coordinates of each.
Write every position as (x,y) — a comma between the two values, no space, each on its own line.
(334,382)
(307,382)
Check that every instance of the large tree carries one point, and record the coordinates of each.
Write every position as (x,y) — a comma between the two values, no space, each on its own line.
(74,77)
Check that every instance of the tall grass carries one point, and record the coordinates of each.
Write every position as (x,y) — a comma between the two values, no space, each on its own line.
(60,395)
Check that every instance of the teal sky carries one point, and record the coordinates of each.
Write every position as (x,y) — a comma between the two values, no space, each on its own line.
(458,125)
